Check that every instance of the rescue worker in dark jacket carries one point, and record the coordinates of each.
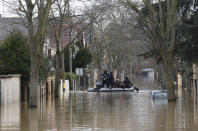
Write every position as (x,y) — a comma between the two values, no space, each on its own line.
(105,76)
(127,84)
(111,79)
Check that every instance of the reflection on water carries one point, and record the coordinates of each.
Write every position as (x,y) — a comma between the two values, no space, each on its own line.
(10,116)
(116,111)
(103,111)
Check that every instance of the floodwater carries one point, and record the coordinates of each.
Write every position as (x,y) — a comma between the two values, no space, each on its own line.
(110,111)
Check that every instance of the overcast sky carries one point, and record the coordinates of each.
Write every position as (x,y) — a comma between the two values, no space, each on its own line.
(7,11)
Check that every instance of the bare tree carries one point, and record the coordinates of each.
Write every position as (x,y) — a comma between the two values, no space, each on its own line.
(36,12)
(122,37)
(56,28)
(161,31)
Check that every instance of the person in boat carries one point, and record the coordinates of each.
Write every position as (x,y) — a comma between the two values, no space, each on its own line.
(127,84)
(105,76)
(111,80)
(98,85)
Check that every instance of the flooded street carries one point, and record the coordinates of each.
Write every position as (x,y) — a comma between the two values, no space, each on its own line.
(108,111)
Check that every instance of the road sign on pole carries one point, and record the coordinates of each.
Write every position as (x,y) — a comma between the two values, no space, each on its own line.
(79,71)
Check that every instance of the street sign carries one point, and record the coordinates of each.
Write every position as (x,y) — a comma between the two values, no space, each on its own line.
(79,71)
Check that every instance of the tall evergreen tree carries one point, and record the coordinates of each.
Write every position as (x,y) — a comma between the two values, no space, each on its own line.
(15,57)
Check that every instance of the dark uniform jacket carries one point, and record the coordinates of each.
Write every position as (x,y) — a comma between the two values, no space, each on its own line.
(127,83)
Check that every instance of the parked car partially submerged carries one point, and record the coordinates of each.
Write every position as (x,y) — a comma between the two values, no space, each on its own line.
(160,94)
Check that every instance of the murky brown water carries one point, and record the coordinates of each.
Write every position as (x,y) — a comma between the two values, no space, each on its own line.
(116,111)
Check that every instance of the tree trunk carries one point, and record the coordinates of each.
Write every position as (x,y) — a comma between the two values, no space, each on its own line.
(115,73)
(63,70)
(156,77)
(72,82)
(92,76)
(99,71)
(164,79)
(57,75)
(188,85)
(170,78)
(33,97)
(99,67)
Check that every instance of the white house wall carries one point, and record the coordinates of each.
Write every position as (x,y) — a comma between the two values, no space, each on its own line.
(10,89)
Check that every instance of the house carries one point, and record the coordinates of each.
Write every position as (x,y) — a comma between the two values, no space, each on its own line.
(7,25)
(71,31)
